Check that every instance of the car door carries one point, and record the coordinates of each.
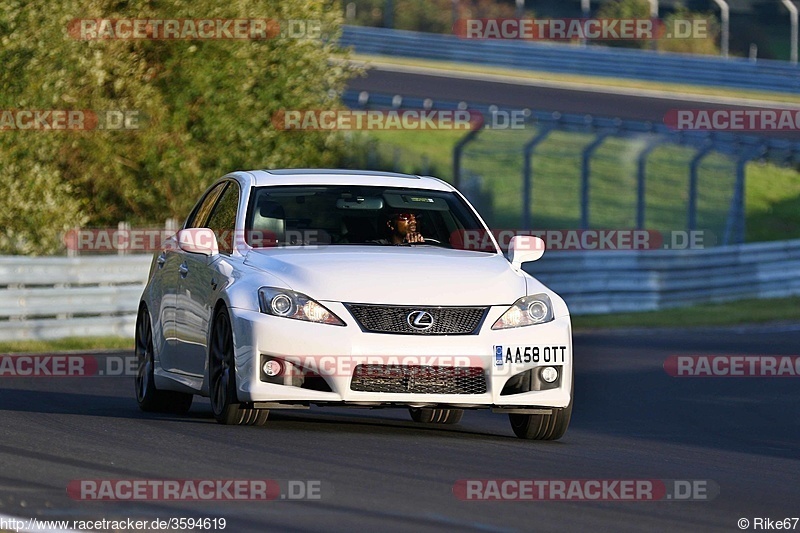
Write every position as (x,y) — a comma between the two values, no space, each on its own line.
(174,262)
(165,285)
(201,277)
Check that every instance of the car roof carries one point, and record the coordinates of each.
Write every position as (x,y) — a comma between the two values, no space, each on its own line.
(304,176)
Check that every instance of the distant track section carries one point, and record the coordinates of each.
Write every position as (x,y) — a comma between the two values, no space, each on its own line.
(600,102)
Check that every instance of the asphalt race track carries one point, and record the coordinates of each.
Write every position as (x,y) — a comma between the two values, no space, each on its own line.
(380,471)
(520,96)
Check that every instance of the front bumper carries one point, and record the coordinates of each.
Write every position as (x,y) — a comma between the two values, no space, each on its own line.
(335,351)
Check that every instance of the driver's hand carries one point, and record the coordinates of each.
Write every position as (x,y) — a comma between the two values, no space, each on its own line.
(414,237)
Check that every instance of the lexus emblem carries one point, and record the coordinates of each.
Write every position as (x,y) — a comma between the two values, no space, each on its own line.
(420,320)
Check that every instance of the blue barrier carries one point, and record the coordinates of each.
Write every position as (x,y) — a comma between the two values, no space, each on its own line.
(766,75)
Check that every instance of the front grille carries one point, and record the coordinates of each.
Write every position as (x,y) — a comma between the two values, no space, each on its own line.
(419,379)
(395,319)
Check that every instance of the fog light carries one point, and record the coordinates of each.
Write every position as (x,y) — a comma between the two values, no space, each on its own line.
(273,368)
(549,374)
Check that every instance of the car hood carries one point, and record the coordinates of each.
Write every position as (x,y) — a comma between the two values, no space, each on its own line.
(397,275)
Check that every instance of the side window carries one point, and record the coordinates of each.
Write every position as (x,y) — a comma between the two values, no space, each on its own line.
(223,218)
(200,213)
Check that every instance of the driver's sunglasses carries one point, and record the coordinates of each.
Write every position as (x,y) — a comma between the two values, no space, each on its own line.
(406,217)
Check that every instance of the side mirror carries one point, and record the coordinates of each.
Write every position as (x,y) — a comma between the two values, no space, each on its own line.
(198,241)
(524,249)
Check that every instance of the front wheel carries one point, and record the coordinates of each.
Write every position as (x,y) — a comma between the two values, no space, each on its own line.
(428,415)
(148,397)
(222,378)
(542,427)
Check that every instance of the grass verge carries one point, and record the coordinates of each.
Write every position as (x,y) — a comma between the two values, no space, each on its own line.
(734,313)
(67,344)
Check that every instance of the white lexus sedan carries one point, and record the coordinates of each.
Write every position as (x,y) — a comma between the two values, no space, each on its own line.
(291,288)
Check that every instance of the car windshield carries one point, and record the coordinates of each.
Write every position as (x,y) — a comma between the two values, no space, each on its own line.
(280,216)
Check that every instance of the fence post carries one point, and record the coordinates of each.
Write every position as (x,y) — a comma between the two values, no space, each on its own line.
(793,39)
(735,225)
(587,155)
(388,14)
(527,170)
(724,15)
(691,222)
(641,166)
(459,147)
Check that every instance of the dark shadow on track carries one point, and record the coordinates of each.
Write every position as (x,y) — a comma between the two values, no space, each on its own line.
(622,389)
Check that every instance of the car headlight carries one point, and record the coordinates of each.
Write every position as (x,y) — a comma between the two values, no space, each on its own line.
(290,304)
(526,311)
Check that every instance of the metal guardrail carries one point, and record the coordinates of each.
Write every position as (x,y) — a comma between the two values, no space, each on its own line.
(595,282)
(54,297)
(768,75)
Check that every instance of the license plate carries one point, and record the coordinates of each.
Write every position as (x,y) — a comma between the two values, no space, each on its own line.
(522,354)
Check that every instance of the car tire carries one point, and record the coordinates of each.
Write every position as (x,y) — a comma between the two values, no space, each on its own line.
(543,427)
(149,398)
(427,415)
(222,378)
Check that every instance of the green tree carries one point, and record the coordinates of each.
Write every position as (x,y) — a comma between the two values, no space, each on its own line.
(696,44)
(204,109)
(432,16)
(625,9)
(640,9)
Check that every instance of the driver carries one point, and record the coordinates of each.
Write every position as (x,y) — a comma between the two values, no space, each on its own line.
(403,229)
